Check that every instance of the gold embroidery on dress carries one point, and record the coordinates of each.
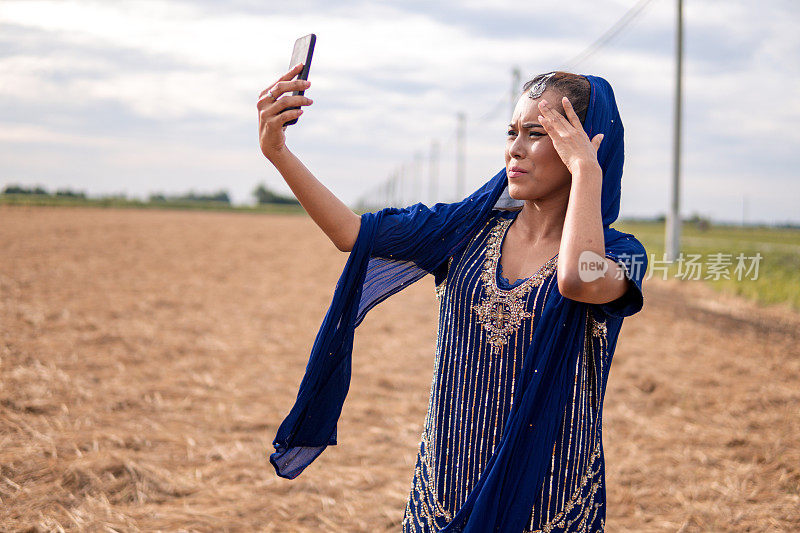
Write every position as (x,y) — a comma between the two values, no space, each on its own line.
(502,311)
(440,288)
(438,508)
(586,502)
(599,329)
(585,505)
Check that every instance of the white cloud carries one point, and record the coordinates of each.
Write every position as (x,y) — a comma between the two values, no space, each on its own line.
(178,85)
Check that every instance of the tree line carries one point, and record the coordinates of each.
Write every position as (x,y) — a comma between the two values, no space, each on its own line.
(261,193)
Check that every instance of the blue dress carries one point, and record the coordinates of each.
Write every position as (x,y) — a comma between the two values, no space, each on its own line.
(485,324)
(543,469)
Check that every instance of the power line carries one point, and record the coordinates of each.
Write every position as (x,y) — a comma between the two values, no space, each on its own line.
(457,135)
(493,111)
(601,41)
(590,50)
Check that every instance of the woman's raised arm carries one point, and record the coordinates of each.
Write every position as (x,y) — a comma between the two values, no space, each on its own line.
(338,221)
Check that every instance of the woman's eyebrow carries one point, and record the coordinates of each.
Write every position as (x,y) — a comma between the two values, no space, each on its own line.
(528,125)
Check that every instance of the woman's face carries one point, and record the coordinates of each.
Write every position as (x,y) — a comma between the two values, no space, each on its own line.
(529,147)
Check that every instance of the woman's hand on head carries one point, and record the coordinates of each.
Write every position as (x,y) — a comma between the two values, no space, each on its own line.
(271,136)
(568,136)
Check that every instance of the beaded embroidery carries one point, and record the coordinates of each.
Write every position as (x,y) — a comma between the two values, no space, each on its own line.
(599,329)
(502,311)
(585,503)
(440,288)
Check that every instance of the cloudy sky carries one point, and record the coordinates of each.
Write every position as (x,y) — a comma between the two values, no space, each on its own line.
(159,96)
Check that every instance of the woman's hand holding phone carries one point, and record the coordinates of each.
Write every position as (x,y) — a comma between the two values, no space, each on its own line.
(337,220)
(271,111)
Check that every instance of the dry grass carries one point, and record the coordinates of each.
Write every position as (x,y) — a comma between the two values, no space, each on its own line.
(147,357)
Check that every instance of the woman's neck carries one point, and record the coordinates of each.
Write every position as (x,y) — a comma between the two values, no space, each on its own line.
(542,220)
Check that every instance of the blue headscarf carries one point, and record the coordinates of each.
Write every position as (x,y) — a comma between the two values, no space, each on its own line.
(420,240)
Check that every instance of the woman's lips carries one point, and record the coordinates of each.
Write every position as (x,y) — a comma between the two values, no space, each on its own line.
(516,173)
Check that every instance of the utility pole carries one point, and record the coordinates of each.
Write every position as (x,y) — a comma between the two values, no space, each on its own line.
(395,183)
(516,82)
(433,177)
(672,238)
(461,134)
(401,184)
(744,210)
(417,177)
(392,189)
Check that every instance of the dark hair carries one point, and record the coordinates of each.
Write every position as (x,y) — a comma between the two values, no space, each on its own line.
(573,86)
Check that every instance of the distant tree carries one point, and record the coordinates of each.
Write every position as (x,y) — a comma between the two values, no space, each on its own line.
(262,194)
(14,189)
(19,189)
(265,196)
(69,193)
(114,196)
(701,223)
(222,196)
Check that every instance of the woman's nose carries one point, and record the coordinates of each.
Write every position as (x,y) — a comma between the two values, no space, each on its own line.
(517,149)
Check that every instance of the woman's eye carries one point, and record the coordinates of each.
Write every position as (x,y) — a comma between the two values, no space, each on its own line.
(534,133)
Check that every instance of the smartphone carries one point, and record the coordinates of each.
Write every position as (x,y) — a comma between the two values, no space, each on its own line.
(303,50)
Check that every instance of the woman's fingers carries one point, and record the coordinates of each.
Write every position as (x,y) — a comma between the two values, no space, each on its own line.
(286,86)
(285,117)
(294,71)
(597,140)
(278,107)
(555,118)
(291,101)
(573,117)
(544,122)
(281,88)
(291,73)
(545,118)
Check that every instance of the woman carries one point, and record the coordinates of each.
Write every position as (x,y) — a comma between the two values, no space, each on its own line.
(512,441)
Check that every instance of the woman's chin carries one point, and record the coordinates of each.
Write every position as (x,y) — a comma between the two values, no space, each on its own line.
(515,193)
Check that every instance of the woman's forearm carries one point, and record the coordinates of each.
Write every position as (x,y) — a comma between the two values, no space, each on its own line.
(583,224)
(338,221)
(583,231)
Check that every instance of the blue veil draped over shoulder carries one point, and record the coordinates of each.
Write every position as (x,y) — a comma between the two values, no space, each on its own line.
(420,240)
